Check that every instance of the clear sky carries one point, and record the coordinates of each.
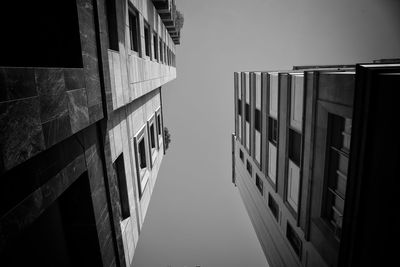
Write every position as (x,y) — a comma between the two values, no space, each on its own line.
(196,216)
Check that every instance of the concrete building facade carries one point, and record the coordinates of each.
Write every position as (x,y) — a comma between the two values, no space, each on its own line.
(295,161)
(81,127)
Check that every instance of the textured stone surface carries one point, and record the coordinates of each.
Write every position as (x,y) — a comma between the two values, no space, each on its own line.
(49,81)
(17,83)
(56,130)
(78,111)
(74,79)
(53,107)
(21,134)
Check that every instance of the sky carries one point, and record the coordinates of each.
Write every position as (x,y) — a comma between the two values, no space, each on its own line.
(196,216)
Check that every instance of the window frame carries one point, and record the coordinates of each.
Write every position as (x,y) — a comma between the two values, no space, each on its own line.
(147,39)
(155,46)
(260,184)
(119,169)
(133,12)
(141,173)
(159,127)
(152,151)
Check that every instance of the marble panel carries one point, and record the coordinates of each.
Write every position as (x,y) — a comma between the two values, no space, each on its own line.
(78,110)
(53,106)
(95,113)
(74,79)
(16,83)
(50,81)
(56,130)
(21,134)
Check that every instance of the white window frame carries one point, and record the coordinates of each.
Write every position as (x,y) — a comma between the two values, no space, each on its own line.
(142,173)
(153,151)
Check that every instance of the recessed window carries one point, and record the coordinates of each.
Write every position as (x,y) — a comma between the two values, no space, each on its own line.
(294,240)
(273,206)
(112,25)
(147,38)
(337,161)
(159,124)
(239,106)
(241,155)
(161,50)
(119,169)
(142,154)
(257,120)
(134,32)
(155,45)
(152,137)
(259,184)
(247,112)
(249,168)
(273,130)
(294,147)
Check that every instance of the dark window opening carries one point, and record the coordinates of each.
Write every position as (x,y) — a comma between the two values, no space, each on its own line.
(119,169)
(294,240)
(241,155)
(247,110)
(259,184)
(161,51)
(159,124)
(249,168)
(272,130)
(152,136)
(257,121)
(134,32)
(147,38)
(142,154)
(155,45)
(40,34)
(294,147)
(337,161)
(273,206)
(239,105)
(112,25)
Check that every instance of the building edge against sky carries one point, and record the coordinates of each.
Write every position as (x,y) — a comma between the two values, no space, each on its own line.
(81,127)
(304,160)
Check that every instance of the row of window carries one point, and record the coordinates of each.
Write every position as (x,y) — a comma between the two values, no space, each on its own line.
(337,152)
(147,142)
(154,46)
(291,235)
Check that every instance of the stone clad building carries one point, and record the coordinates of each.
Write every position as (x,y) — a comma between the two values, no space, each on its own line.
(314,160)
(81,126)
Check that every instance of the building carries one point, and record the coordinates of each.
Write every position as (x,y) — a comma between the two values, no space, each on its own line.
(81,126)
(314,159)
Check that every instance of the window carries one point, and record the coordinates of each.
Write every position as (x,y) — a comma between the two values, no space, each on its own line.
(147,38)
(259,184)
(155,45)
(258,120)
(249,168)
(112,25)
(273,206)
(142,155)
(294,147)
(159,124)
(294,240)
(161,50)
(241,155)
(338,147)
(247,114)
(152,137)
(119,169)
(273,130)
(239,105)
(134,30)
